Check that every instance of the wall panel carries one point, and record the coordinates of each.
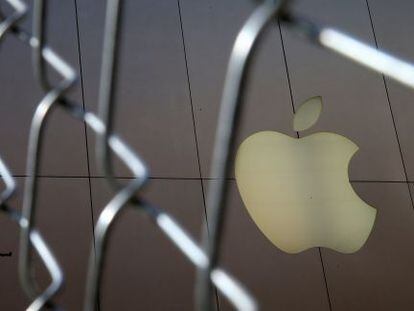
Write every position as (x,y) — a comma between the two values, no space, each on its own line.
(153,104)
(380,275)
(393,25)
(355,101)
(64,219)
(144,269)
(210,28)
(65,152)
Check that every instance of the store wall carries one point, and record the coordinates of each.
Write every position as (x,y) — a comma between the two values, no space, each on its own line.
(173,61)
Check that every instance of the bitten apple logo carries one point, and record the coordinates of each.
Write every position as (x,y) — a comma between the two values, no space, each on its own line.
(297,190)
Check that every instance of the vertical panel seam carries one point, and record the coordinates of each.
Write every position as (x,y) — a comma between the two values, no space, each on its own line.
(287,70)
(194,128)
(390,107)
(286,65)
(85,131)
(297,134)
(325,279)
(191,105)
(83,105)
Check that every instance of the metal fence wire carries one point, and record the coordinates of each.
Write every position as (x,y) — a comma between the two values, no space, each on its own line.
(205,257)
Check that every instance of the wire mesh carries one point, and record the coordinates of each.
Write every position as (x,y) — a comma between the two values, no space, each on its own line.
(109,145)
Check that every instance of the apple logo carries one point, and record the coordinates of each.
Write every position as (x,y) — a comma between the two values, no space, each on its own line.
(297,191)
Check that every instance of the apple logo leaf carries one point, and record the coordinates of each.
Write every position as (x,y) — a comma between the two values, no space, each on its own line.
(307,114)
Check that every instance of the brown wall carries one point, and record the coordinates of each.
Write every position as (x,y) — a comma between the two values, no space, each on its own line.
(173,63)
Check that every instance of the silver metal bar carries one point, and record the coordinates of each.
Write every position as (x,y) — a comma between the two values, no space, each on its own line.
(41,247)
(31,184)
(51,57)
(10,183)
(97,255)
(131,159)
(230,110)
(39,29)
(234,291)
(107,86)
(53,268)
(19,13)
(354,49)
(39,244)
(368,56)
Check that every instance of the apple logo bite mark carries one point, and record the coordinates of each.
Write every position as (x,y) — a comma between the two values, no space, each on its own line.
(297,191)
